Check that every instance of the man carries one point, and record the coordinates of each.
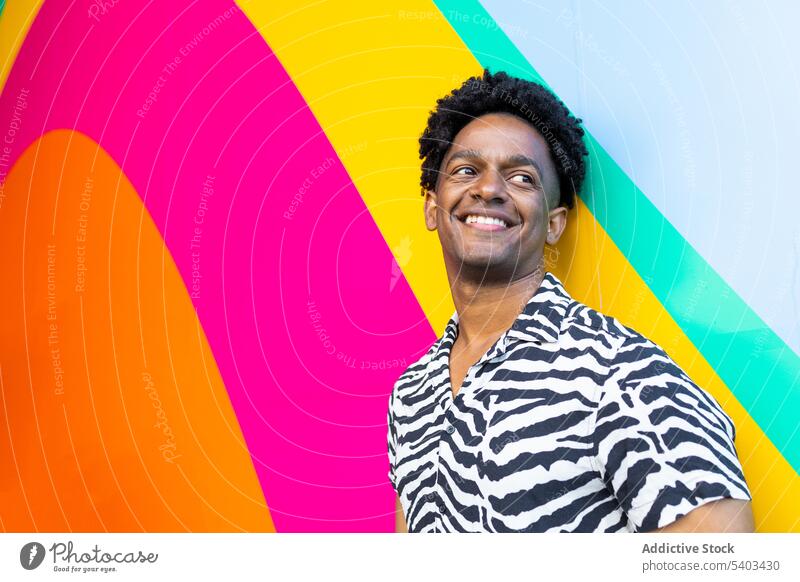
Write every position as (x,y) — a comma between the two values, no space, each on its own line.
(534,412)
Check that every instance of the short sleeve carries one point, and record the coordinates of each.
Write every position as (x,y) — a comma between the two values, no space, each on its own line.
(392,439)
(663,445)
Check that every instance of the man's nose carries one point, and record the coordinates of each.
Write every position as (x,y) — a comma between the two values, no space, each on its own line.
(490,186)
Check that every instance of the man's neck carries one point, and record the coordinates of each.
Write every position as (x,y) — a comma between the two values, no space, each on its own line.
(487,310)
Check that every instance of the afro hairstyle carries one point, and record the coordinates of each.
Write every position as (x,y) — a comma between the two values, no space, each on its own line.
(502,93)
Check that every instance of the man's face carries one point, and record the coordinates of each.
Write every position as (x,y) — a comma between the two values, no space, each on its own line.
(490,206)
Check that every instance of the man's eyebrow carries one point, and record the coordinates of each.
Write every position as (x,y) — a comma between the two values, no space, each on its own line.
(510,161)
(465,155)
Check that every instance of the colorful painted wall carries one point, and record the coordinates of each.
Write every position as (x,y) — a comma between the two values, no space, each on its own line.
(215,265)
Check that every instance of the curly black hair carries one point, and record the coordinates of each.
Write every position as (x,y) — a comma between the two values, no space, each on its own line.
(502,93)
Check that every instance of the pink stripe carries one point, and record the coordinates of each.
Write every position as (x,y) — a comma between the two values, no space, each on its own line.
(297,291)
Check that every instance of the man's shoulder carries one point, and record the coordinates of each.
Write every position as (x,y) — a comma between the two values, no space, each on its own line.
(624,349)
(589,322)
(637,365)
(414,375)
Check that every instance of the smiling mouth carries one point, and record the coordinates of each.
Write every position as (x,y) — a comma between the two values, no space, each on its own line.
(489,223)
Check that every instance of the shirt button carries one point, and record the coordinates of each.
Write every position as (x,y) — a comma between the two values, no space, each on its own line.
(450,429)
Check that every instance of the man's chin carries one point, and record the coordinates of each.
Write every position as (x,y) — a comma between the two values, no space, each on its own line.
(487,269)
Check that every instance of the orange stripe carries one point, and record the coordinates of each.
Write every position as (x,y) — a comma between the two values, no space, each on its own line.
(117,414)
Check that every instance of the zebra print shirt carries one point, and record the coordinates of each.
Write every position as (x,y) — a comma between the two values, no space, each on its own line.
(571,422)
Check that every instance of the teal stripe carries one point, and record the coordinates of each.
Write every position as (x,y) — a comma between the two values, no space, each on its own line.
(2,5)
(755,363)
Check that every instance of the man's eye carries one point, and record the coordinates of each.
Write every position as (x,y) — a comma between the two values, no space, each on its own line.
(522,179)
(464,171)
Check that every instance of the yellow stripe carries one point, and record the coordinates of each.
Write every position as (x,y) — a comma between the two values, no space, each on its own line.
(370,75)
(15,21)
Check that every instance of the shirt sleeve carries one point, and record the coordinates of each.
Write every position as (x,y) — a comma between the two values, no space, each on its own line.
(392,439)
(663,445)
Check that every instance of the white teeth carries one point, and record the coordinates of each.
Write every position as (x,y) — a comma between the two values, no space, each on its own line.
(473,218)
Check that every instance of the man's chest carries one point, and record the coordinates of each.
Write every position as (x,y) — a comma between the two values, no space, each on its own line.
(514,444)
(462,359)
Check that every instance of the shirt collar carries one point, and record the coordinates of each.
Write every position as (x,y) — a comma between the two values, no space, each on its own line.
(539,322)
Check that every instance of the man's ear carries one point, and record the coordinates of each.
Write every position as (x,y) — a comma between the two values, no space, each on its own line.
(430,210)
(557,222)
